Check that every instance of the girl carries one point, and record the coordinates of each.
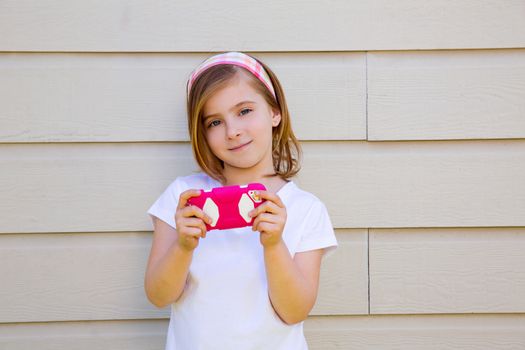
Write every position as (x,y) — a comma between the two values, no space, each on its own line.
(245,288)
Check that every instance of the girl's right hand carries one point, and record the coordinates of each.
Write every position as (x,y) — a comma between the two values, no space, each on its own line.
(190,221)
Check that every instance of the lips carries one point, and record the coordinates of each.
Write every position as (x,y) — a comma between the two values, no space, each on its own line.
(239,147)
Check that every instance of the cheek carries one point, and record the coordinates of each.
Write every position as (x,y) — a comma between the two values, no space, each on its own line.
(261,125)
(213,139)
(267,128)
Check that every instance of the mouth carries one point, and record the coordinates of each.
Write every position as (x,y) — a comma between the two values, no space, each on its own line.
(240,147)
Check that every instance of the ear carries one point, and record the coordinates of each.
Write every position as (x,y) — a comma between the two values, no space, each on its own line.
(276,118)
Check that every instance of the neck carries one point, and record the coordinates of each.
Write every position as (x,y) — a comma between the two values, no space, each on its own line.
(236,176)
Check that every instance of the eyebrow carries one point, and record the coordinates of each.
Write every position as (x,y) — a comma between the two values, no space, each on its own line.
(231,109)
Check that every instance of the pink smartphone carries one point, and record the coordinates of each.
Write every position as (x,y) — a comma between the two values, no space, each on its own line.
(228,206)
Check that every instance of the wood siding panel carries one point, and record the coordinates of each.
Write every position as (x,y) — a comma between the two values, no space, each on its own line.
(90,335)
(414,271)
(85,187)
(419,184)
(100,276)
(64,277)
(314,26)
(416,332)
(444,332)
(431,232)
(125,97)
(343,286)
(477,94)
(109,187)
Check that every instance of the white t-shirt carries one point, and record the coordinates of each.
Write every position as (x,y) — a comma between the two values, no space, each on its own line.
(226,303)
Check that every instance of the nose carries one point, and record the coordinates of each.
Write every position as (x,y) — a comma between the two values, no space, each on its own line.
(232,130)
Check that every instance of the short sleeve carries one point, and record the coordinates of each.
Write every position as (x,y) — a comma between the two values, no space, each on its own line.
(166,205)
(318,231)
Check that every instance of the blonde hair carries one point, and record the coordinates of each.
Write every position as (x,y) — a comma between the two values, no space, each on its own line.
(286,150)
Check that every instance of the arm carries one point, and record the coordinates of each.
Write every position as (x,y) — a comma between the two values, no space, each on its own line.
(292,283)
(172,252)
(168,266)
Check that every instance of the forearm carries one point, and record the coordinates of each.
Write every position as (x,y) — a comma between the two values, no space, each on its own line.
(290,293)
(165,282)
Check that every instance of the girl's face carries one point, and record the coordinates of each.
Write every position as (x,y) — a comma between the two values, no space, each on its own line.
(238,124)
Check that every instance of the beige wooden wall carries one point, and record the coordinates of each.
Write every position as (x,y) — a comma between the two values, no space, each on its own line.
(412,118)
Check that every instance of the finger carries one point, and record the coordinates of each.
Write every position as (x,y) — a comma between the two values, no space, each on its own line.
(192,232)
(193,211)
(266,207)
(194,222)
(265,227)
(202,227)
(184,196)
(255,224)
(265,217)
(273,197)
(262,218)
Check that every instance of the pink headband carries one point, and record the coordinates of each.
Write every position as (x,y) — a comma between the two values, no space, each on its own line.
(235,58)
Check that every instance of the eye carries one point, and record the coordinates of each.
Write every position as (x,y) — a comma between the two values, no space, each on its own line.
(214,123)
(245,109)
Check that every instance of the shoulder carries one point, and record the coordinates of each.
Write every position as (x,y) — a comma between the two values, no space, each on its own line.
(299,199)
(308,226)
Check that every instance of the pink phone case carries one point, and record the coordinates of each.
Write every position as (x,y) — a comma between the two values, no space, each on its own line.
(229,206)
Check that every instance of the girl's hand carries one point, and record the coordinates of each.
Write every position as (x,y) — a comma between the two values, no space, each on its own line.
(270,218)
(190,222)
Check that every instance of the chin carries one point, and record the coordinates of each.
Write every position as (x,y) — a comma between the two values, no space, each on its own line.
(242,164)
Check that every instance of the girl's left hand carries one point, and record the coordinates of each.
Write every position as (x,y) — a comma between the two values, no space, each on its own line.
(270,218)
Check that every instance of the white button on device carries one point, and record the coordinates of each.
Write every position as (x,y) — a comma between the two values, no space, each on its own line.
(212,210)
(245,206)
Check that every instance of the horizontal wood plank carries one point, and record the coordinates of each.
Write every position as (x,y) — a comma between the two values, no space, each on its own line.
(87,187)
(119,25)
(414,332)
(419,184)
(343,287)
(89,335)
(100,276)
(65,277)
(447,271)
(86,97)
(438,95)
